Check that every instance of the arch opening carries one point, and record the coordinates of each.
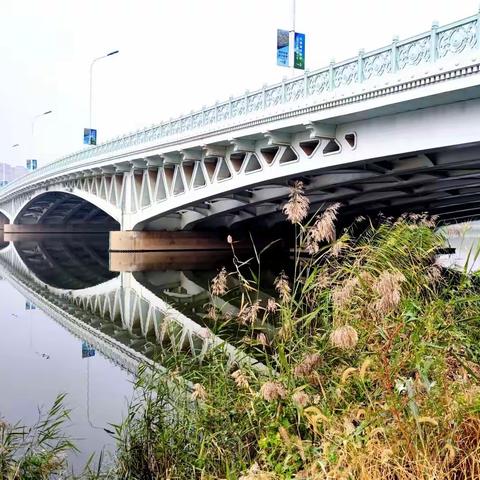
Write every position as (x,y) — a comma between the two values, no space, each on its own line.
(62,210)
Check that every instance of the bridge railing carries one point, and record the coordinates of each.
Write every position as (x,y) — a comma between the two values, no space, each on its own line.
(428,47)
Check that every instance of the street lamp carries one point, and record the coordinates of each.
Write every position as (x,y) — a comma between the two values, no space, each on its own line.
(34,119)
(3,176)
(91,81)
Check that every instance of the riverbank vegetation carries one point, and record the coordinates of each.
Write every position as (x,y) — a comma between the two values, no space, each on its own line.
(366,365)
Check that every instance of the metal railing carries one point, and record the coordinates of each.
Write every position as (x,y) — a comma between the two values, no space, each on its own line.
(436,44)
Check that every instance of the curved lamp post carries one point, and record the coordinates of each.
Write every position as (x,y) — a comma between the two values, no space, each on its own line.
(3,164)
(91,82)
(34,119)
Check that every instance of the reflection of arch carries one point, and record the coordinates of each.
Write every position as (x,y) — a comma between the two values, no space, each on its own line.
(69,263)
(65,209)
(3,218)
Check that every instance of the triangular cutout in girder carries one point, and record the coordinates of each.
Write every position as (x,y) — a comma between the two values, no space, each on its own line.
(309,146)
(269,154)
(178,186)
(253,164)
(210,166)
(187,168)
(160,190)
(169,171)
(237,159)
(331,147)
(145,193)
(224,172)
(198,176)
(288,156)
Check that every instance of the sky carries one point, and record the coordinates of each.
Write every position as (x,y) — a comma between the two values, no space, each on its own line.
(175,56)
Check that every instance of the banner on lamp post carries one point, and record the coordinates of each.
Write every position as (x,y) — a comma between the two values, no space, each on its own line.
(31,164)
(299,51)
(89,136)
(283,37)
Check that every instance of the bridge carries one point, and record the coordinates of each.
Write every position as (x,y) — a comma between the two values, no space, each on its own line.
(127,318)
(392,130)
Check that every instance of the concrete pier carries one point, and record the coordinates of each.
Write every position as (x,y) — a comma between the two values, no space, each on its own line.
(133,241)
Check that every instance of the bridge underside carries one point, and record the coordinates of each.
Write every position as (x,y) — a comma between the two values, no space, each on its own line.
(444,182)
(64,211)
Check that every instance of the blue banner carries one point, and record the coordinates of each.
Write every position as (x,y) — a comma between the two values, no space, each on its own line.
(299,51)
(282,47)
(89,136)
(31,164)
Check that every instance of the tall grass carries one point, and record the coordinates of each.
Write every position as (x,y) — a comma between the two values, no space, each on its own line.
(372,353)
(37,452)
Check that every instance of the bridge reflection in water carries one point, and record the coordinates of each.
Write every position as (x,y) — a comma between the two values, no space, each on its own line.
(128,316)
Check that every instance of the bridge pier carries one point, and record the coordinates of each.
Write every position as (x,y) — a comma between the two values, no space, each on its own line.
(41,228)
(148,241)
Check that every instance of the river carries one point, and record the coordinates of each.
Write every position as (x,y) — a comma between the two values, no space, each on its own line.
(49,345)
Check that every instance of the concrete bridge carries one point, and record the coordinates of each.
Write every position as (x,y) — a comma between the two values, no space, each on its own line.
(395,129)
(127,318)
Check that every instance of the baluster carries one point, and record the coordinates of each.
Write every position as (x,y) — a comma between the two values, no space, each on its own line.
(331,79)
(478,28)
(305,83)
(360,75)
(394,54)
(433,42)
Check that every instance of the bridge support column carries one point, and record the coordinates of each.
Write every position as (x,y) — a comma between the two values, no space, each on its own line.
(132,241)
(40,228)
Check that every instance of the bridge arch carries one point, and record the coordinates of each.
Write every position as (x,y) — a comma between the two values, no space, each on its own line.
(61,208)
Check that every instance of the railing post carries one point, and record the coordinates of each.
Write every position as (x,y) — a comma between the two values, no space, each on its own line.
(331,79)
(433,42)
(264,96)
(284,90)
(478,28)
(394,54)
(230,106)
(361,52)
(216,111)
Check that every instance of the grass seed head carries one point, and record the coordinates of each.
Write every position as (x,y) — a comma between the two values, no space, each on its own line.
(199,392)
(344,338)
(271,391)
(307,365)
(296,209)
(240,379)
(282,287)
(301,399)
(388,287)
(219,283)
